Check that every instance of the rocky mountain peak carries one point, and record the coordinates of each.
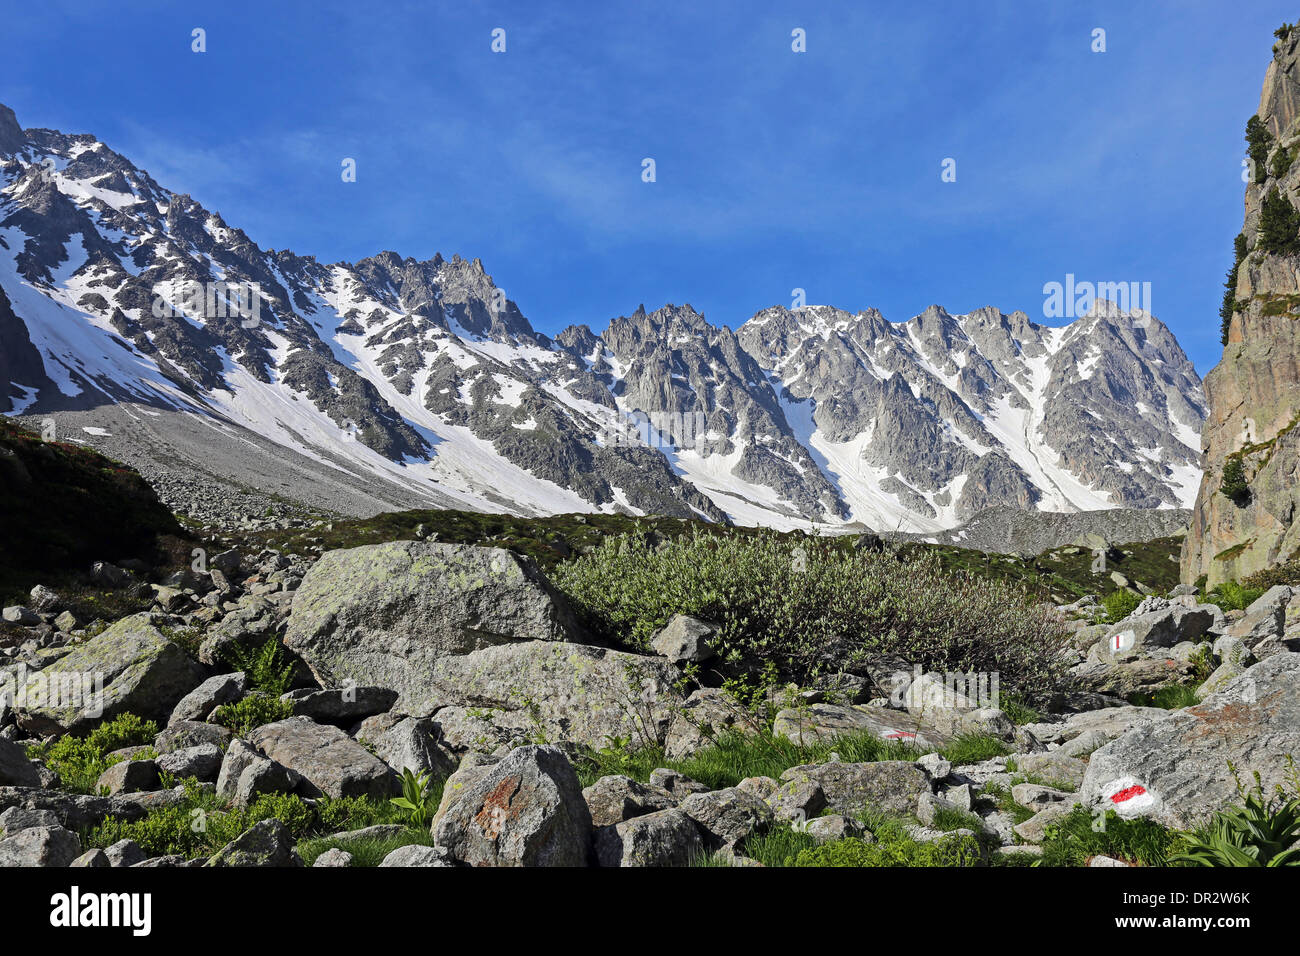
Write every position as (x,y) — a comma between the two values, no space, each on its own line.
(12,138)
(424,376)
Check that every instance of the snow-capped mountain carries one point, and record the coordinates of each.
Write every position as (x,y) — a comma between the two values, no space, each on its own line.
(421,376)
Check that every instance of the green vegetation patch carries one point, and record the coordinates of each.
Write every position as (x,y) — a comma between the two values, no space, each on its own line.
(817,607)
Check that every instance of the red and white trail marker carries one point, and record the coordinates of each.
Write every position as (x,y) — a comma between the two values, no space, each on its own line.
(1128,797)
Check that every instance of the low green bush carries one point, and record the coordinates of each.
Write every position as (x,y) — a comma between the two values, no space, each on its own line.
(79,761)
(817,607)
(1287,573)
(201,824)
(1118,605)
(251,712)
(1233,596)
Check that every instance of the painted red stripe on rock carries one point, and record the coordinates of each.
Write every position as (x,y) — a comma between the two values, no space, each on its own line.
(1128,793)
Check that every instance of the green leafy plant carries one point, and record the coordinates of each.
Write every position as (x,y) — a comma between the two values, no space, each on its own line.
(416,799)
(251,712)
(79,761)
(268,668)
(1261,832)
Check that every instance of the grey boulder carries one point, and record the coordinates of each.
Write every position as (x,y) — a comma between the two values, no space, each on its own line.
(384,614)
(329,762)
(141,672)
(525,810)
(1175,770)
(663,838)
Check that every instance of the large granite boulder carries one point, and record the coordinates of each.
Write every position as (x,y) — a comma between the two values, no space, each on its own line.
(15,769)
(385,614)
(821,722)
(130,667)
(889,785)
(558,691)
(663,838)
(1176,770)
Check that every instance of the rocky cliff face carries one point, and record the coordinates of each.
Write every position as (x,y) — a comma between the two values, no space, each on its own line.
(1245,516)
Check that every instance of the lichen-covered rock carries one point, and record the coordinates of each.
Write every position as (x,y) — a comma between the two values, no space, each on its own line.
(412,855)
(191,733)
(616,798)
(203,762)
(558,691)
(131,667)
(268,843)
(727,816)
(384,614)
(245,774)
(663,838)
(128,776)
(525,810)
(40,846)
(341,706)
(15,769)
(407,743)
(199,703)
(686,640)
(820,722)
(890,785)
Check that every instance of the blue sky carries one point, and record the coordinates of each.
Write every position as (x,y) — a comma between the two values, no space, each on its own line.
(775,169)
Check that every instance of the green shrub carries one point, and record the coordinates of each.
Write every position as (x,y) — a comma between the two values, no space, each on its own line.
(339,814)
(1287,573)
(269,670)
(1233,596)
(1279,225)
(1258,143)
(200,824)
(817,607)
(251,712)
(79,761)
(1281,162)
(1119,605)
(1234,484)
